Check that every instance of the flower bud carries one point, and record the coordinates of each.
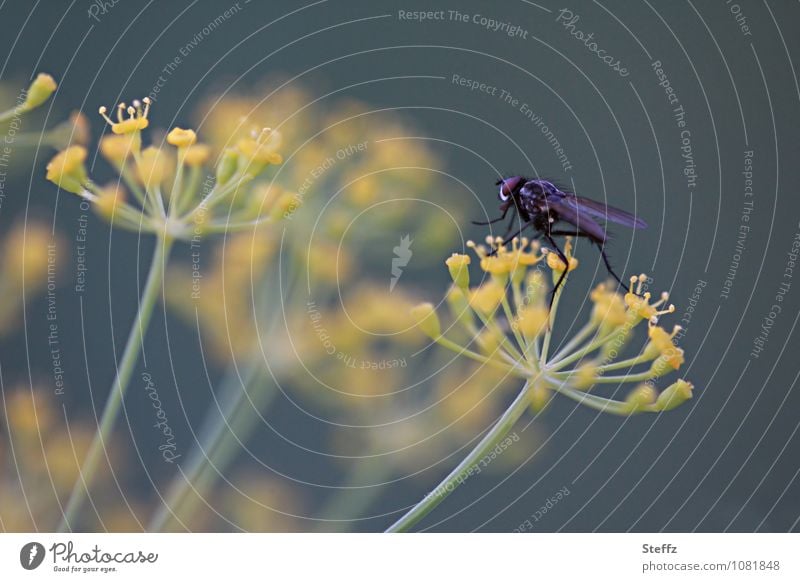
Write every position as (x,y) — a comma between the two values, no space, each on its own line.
(152,167)
(196,155)
(640,398)
(427,320)
(108,201)
(585,376)
(487,298)
(539,396)
(531,321)
(117,148)
(181,138)
(674,395)
(458,265)
(226,167)
(39,91)
(489,340)
(67,169)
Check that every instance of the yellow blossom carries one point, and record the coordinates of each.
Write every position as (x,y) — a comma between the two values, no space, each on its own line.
(532,321)
(67,169)
(136,120)
(39,91)
(427,320)
(609,308)
(459,269)
(487,298)
(181,138)
(556,263)
(108,200)
(585,376)
(261,150)
(117,148)
(661,344)
(197,155)
(489,340)
(674,395)
(540,396)
(152,166)
(641,397)
(639,303)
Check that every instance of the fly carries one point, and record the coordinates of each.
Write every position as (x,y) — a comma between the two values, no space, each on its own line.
(541,206)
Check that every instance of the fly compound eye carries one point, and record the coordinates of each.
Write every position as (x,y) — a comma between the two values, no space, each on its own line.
(504,195)
(507,187)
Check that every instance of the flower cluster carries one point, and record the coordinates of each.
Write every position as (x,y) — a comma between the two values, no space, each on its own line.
(173,195)
(508,326)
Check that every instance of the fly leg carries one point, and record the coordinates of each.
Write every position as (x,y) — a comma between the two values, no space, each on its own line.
(601,247)
(563,257)
(501,217)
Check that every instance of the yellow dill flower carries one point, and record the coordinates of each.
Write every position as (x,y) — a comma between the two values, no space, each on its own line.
(609,309)
(487,298)
(68,171)
(196,155)
(261,149)
(540,395)
(152,166)
(641,397)
(285,205)
(458,266)
(181,138)
(556,263)
(136,120)
(674,395)
(500,262)
(109,199)
(532,321)
(117,148)
(639,303)
(520,334)
(28,248)
(661,344)
(489,340)
(363,191)
(585,376)
(427,320)
(39,91)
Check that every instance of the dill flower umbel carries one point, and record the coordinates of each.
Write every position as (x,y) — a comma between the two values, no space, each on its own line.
(510,308)
(169,196)
(171,199)
(507,319)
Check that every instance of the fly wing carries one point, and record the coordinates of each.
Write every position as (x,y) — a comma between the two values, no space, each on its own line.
(577,216)
(595,209)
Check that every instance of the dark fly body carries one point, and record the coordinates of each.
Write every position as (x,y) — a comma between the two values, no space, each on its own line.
(551,212)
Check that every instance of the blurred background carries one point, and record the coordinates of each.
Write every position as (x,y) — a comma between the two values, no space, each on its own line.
(286,361)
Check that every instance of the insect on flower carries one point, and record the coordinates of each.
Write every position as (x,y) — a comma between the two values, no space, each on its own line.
(541,205)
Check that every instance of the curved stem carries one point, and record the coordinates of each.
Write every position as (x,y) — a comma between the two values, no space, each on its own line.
(130,356)
(457,475)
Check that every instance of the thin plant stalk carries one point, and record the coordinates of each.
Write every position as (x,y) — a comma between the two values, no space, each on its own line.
(130,357)
(500,429)
(218,442)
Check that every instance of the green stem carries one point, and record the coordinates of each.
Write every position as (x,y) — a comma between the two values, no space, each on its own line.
(218,442)
(456,476)
(130,356)
(453,346)
(12,113)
